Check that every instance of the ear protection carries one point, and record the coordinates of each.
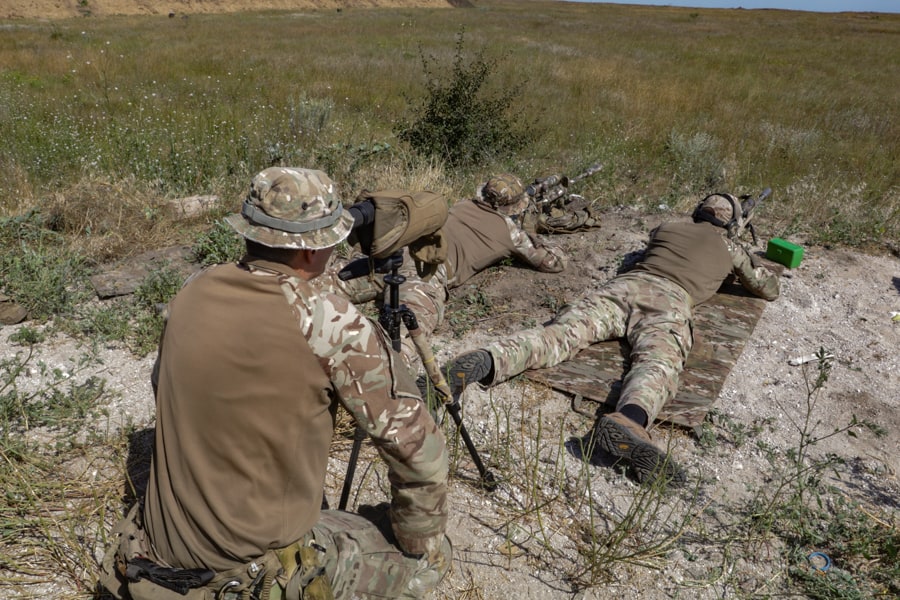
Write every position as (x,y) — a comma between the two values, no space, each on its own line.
(737,213)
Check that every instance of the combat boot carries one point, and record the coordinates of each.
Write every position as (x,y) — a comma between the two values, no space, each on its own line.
(621,437)
(471,367)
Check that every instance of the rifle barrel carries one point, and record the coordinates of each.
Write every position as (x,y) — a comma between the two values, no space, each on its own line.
(590,171)
(542,185)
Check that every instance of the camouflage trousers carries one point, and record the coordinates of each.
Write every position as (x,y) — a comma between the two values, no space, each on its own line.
(344,556)
(426,298)
(361,562)
(651,313)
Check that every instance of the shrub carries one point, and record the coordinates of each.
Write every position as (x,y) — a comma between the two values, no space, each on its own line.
(150,298)
(37,269)
(695,162)
(460,123)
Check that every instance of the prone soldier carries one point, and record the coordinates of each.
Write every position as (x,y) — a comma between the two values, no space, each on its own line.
(651,306)
(478,232)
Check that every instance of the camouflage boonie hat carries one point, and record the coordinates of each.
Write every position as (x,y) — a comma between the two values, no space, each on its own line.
(504,193)
(292,208)
(720,207)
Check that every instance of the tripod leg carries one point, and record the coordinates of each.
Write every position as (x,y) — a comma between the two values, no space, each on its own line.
(358,436)
(440,384)
(488,481)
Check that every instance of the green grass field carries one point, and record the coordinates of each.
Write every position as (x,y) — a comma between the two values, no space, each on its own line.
(674,102)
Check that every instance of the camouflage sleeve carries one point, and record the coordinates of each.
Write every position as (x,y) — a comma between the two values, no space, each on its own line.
(362,370)
(543,257)
(757,280)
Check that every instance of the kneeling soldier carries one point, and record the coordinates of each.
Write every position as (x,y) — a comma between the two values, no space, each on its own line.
(251,367)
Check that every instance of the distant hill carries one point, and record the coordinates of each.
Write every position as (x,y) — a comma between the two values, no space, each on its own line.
(66,9)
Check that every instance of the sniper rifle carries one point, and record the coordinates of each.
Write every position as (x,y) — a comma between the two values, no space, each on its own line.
(553,209)
(548,190)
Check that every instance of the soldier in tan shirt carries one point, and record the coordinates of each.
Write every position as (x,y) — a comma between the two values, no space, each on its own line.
(252,365)
(479,232)
(652,307)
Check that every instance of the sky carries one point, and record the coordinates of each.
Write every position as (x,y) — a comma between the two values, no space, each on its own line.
(884,6)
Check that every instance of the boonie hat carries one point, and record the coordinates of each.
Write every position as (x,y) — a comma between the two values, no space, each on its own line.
(292,208)
(504,193)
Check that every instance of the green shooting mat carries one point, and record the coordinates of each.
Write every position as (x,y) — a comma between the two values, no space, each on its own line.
(722,325)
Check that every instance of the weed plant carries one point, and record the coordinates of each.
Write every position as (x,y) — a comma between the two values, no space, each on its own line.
(466,311)
(221,244)
(459,124)
(42,272)
(38,271)
(806,513)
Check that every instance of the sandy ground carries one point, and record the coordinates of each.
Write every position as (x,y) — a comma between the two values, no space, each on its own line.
(836,299)
(527,539)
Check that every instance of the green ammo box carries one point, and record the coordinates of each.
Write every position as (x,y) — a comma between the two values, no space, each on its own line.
(784,252)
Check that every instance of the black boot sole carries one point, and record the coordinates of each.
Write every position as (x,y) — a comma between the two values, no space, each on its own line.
(648,462)
(468,369)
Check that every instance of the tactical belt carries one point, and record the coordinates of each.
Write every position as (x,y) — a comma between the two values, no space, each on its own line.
(298,570)
(177,580)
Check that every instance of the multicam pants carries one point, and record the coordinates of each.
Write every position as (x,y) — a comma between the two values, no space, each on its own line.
(361,563)
(652,313)
(357,555)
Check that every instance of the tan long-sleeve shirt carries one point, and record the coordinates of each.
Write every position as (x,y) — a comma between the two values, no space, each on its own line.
(251,366)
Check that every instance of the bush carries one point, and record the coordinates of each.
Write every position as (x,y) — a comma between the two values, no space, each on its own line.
(38,270)
(695,162)
(150,300)
(457,122)
(221,244)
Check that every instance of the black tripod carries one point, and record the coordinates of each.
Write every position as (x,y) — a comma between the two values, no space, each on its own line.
(392,314)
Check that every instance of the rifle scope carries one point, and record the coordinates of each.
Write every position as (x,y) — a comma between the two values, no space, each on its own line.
(544,184)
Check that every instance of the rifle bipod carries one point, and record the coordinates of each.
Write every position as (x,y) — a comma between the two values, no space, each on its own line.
(391,316)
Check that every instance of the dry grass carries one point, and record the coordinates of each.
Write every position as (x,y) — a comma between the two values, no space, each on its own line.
(801,102)
(106,221)
(59,518)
